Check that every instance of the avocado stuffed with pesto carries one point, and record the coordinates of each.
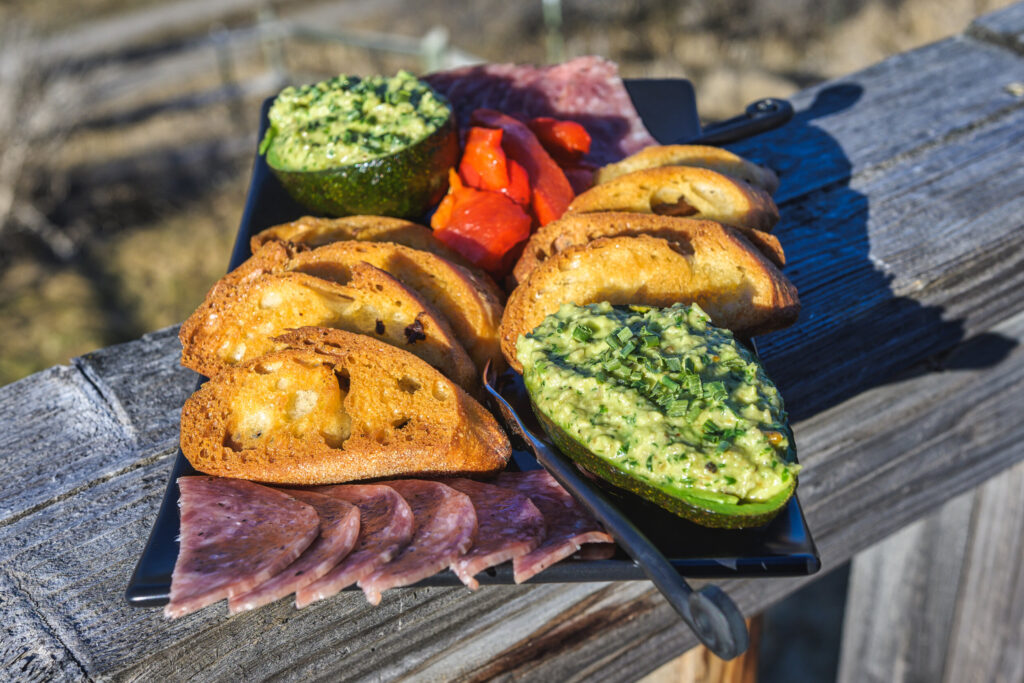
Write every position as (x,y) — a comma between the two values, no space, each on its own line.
(348,145)
(661,402)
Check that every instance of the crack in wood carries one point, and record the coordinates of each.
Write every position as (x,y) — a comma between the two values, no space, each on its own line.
(570,629)
(169,450)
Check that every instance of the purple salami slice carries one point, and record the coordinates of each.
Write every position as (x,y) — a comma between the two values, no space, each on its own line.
(339,529)
(234,536)
(386,525)
(585,89)
(445,528)
(569,525)
(508,525)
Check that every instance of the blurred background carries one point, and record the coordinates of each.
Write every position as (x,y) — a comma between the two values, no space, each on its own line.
(127,128)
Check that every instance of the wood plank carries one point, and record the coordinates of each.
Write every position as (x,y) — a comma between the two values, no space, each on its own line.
(987,635)
(943,599)
(146,382)
(28,650)
(69,426)
(847,127)
(58,435)
(933,256)
(902,598)
(1004,27)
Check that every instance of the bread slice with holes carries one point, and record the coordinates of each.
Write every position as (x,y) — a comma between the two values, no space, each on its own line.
(579,228)
(330,406)
(237,322)
(471,303)
(682,191)
(316,232)
(714,158)
(718,269)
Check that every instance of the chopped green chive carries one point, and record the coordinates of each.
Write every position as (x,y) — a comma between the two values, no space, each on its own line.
(582,333)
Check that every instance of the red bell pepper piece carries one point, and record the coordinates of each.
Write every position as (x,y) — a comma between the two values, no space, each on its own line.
(566,141)
(485,166)
(550,190)
(518,189)
(484,227)
(443,214)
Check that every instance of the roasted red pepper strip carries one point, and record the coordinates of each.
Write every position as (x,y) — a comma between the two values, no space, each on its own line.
(484,226)
(550,190)
(566,141)
(483,164)
(444,209)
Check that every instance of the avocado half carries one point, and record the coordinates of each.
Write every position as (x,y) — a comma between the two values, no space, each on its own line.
(403,184)
(686,503)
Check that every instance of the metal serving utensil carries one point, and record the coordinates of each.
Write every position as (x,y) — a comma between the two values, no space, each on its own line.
(711,613)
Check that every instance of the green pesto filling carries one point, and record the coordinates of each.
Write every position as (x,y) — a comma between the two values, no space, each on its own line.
(348,120)
(664,396)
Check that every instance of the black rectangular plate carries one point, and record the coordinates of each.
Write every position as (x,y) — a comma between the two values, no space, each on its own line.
(782,548)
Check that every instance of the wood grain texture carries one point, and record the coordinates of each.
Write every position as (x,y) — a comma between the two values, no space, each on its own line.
(906,375)
(1003,27)
(69,426)
(943,599)
(895,109)
(989,625)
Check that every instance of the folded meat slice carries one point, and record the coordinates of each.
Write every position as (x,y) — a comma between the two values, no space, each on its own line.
(445,528)
(569,525)
(234,536)
(386,525)
(339,530)
(508,525)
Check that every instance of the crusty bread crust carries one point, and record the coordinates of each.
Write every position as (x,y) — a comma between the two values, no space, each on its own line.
(579,228)
(713,158)
(237,323)
(315,232)
(683,191)
(471,304)
(718,269)
(332,407)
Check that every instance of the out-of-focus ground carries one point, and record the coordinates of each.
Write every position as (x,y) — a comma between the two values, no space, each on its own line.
(127,128)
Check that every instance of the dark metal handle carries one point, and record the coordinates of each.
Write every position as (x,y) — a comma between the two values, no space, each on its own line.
(712,615)
(760,116)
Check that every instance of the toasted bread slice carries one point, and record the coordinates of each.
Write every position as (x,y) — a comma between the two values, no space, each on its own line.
(683,191)
(580,228)
(718,269)
(715,158)
(316,232)
(236,324)
(471,303)
(338,408)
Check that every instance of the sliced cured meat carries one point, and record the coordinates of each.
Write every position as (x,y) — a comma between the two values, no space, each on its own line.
(586,89)
(445,528)
(339,529)
(386,525)
(569,525)
(234,536)
(508,525)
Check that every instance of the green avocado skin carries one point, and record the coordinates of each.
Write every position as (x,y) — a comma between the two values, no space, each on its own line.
(703,512)
(404,184)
